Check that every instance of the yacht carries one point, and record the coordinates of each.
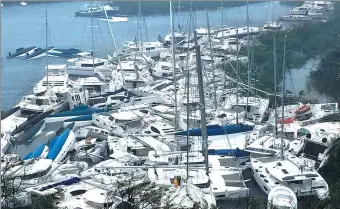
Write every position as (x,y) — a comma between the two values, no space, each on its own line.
(272,26)
(98,11)
(57,81)
(238,32)
(84,66)
(291,17)
(42,103)
(150,49)
(296,173)
(178,37)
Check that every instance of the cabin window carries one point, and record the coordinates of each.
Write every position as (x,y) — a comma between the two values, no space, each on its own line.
(296,182)
(144,111)
(155,130)
(265,188)
(93,65)
(78,192)
(284,171)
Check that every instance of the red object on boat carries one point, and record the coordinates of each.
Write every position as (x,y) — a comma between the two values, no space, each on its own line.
(303,109)
(286,120)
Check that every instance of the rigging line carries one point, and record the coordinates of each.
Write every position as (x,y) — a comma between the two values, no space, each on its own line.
(102,37)
(289,71)
(82,39)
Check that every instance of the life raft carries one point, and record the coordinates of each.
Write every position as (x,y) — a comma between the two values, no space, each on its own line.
(286,120)
(303,109)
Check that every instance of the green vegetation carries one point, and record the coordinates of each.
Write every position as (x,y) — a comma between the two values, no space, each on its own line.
(307,41)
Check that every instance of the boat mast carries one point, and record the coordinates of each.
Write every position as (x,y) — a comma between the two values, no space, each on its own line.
(248,68)
(237,71)
(275,93)
(114,43)
(46,45)
(283,92)
(222,15)
(92,42)
(202,102)
(212,61)
(188,93)
(173,61)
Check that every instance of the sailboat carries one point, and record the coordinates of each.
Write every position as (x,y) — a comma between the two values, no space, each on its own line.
(271,25)
(296,173)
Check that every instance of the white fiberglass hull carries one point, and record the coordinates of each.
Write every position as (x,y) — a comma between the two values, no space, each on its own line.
(88,71)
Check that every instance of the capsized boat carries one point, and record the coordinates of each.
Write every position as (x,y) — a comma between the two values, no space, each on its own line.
(21,52)
(66,53)
(38,52)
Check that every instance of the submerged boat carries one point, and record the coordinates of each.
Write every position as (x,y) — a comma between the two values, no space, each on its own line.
(38,52)
(67,53)
(21,52)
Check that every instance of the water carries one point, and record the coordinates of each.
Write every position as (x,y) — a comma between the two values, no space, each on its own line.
(25,26)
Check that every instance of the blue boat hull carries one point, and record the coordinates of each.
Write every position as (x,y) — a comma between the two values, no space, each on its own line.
(214,130)
(57,145)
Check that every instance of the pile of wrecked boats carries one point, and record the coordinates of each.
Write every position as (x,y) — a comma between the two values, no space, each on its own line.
(133,123)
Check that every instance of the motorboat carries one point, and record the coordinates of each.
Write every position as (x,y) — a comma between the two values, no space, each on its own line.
(272,26)
(84,66)
(57,81)
(97,11)
(42,103)
(238,32)
(23,3)
(290,17)
(178,37)
(150,49)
